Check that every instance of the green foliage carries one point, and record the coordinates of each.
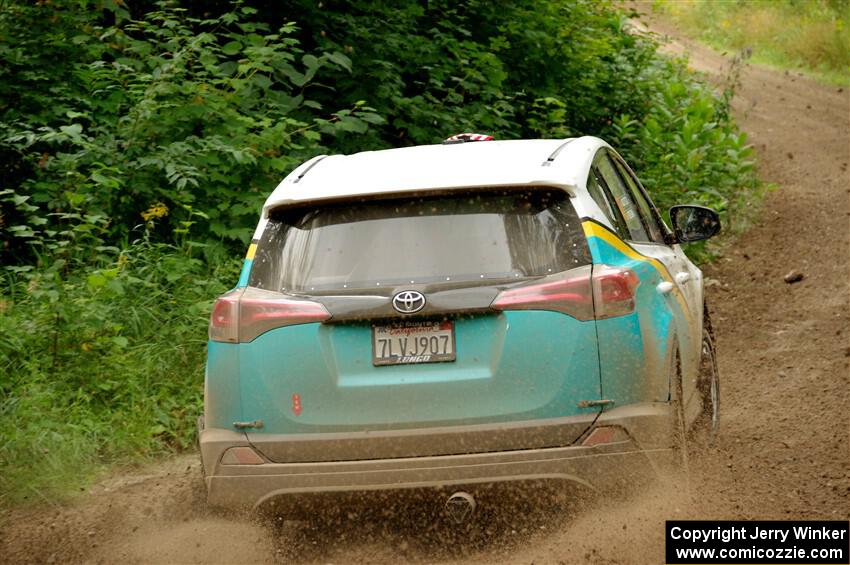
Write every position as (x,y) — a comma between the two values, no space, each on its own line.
(689,149)
(200,115)
(436,68)
(527,70)
(138,142)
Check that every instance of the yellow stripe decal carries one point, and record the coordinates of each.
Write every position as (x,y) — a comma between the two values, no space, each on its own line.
(252,249)
(595,230)
(592,229)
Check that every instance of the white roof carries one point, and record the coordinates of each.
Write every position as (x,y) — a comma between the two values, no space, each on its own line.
(439,167)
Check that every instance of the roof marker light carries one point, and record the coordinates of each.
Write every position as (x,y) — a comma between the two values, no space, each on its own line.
(465,137)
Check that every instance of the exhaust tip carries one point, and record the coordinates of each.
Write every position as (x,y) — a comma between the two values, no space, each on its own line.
(460,506)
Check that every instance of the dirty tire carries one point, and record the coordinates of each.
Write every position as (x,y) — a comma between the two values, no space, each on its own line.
(708,386)
(679,431)
(200,427)
(673,467)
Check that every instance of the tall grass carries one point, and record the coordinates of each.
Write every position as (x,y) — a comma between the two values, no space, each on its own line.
(101,365)
(808,35)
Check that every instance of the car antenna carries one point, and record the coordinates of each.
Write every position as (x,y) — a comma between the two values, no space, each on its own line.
(554,154)
(307,170)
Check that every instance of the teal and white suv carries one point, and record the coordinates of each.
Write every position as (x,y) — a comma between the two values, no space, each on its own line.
(456,314)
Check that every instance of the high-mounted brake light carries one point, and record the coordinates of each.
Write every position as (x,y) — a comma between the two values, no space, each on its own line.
(465,137)
(599,290)
(240,316)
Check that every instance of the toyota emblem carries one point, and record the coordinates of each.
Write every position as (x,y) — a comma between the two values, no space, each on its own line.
(409,302)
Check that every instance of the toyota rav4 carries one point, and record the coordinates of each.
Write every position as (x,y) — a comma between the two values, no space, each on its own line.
(456,314)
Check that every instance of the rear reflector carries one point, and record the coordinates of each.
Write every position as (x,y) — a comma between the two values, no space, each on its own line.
(241,456)
(605,434)
(607,291)
(244,314)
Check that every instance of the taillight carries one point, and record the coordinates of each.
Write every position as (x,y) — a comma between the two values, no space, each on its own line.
(614,291)
(239,316)
(569,294)
(609,291)
(224,321)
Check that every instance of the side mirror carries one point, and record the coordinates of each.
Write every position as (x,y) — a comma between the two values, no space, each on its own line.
(694,223)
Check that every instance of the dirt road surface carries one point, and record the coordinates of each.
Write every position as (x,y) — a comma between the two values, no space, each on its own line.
(783,451)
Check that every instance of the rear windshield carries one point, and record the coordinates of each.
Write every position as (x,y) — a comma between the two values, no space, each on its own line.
(467,237)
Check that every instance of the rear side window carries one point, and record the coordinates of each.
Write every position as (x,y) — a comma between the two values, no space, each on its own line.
(628,209)
(597,192)
(647,213)
(474,237)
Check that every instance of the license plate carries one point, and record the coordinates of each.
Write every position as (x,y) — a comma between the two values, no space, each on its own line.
(413,342)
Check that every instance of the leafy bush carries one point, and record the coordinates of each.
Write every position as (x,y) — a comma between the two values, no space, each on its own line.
(544,69)
(689,148)
(200,116)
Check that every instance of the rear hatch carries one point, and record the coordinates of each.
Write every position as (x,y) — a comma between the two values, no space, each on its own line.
(492,358)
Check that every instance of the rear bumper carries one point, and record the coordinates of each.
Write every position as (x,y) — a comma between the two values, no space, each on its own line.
(612,465)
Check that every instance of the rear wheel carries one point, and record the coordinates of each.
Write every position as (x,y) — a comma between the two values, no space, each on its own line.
(680,430)
(708,385)
(200,425)
(672,465)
